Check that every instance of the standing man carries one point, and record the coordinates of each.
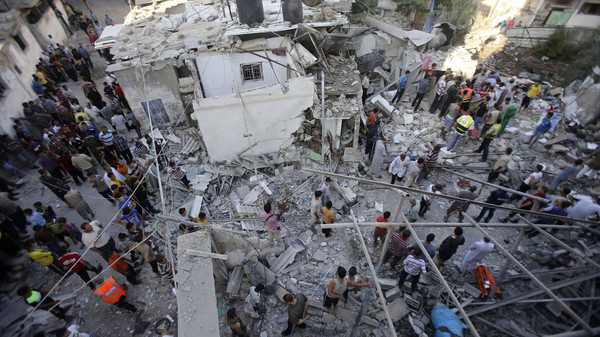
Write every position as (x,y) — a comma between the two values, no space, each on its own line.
(477,252)
(412,170)
(462,125)
(544,126)
(398,167)
(421,91)
(338,286)
(497,197)
(566,172)
(326,194)
(449,246)
(505,117)
(462,206)
(365,86)
(101,243)
(429,246)
(328,217)
(98,183)
(235,323)
(425,204)
(529,183)
(412,213)
(33,297)
(439,94)
(487,138)
(256,299)
(466,93)
(315,207)
(83,162)
(75,199)
(399,246)
(272,222)
(501,165)
(534,91)
(380,232)
(592,166)
(53,184)
(178,174)
(413,265)
(297,316)
(430,162)
(79,265)
(401,87)
(111,291)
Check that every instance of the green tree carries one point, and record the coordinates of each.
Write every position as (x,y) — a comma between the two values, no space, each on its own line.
(460,13)
(407,6)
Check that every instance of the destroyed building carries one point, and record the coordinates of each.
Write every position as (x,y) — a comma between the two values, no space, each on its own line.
(259,101)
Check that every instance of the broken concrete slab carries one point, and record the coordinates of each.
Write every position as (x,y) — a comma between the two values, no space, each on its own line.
(284,260)
(319,256)
(197,303)
(347,316)
(235,281)
(397,309)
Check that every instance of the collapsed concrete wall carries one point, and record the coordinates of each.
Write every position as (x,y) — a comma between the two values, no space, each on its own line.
(263,118)
(161,83)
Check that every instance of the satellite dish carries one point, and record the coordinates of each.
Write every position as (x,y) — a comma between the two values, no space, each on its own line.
(312,3)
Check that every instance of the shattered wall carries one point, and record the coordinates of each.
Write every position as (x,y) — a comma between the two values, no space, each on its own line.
(265,116)
(161,83)
(17,66)
(221,72)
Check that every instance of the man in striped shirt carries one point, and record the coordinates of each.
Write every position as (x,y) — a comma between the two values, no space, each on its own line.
(399,246)
(430,161)
(107,138)
(414,266)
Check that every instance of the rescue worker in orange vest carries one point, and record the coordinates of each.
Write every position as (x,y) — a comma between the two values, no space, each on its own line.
(466,94)
(112,291)
(491,133)
(463,124)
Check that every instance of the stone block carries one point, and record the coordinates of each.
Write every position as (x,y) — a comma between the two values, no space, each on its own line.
(319,256)
(398,309)
(328,318)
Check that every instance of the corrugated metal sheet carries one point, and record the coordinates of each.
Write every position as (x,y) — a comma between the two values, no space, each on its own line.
(558,18)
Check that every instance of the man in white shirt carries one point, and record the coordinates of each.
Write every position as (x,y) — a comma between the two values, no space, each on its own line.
(530,182)
(96,239)
(426,199)
(315,208)
(398,167)
(255,298)
(584,206)
(477,252)
(412,170)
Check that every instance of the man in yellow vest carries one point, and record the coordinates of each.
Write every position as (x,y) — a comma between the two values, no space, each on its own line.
(491,133)
(113,292)
(463,124)
(35,297)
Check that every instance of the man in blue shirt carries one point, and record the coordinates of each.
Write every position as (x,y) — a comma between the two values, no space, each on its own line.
(401,87)
(541,129)
(421,91)
(132,216)
(566,171)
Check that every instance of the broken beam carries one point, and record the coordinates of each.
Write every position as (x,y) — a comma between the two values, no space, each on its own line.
(532,293)
(433,266)
(453,198)
(206,254)
(560,243)
(563,306)
(439,224)
(382,299)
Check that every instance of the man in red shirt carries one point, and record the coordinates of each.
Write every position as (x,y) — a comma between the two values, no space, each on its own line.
(380,232)
(80,266)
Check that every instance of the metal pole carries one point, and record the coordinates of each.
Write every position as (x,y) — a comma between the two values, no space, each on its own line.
(534,279)
(528,294)
(382,299)
(560,243)
(386,242)
(483,182)
(323,118)
(439,225)
(442,279)
(505,266)
(577,333)
(449,197)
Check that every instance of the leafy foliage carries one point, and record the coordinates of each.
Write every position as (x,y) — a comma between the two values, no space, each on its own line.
(360,9)
(558,47)
(460,13)
(407,6)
